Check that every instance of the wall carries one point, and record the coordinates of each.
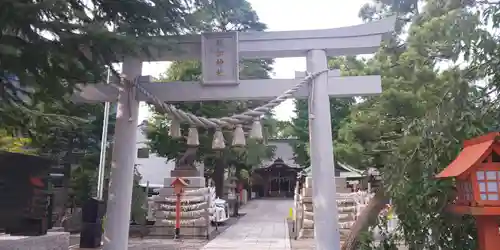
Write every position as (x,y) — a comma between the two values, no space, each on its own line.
(154,168)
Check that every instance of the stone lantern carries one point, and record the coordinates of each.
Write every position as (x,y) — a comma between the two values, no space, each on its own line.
(477,173)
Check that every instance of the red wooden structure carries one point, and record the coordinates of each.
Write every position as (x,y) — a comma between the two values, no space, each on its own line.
(477,173)
(178,185)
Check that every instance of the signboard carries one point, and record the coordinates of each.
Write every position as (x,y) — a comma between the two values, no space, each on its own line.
(220,58)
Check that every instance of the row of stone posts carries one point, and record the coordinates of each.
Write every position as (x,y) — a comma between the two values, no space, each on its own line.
(349,204)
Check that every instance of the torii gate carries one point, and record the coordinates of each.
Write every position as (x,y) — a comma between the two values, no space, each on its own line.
(315,45)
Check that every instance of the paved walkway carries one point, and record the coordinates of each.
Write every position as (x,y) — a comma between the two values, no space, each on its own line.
(262,228)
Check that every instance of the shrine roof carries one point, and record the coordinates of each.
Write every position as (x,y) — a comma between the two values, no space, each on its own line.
(279,164)
(284,151)
(474,149)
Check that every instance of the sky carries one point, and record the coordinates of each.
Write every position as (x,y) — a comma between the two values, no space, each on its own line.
(285,15)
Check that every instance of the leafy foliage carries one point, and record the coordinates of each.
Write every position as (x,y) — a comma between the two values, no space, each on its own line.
(280,129)
(15,144)
(47,47)
(138,211)
(339,109)
(439,89)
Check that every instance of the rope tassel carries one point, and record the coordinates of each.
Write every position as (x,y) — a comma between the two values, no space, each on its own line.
(193,138)
(175,129)
(218,141)
(256,132)
(239,136)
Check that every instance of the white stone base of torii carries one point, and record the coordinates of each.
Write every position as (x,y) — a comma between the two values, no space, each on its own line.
(315,45)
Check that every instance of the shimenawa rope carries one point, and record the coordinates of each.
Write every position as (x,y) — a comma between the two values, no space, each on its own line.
(235,121)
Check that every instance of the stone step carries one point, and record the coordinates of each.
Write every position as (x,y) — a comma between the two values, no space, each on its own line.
(340,183)
(343,217)
(169,191)
(307,206)
(308,192)
(201,222)
(184,200)
(308,215)
(184,207)
(184,215)
(305,199)
(344,202)
(347,209)
(345,223)
(346,217)
(307,233)
(159,231)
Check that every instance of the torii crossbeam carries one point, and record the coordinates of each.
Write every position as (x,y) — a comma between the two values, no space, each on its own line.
(338,86)
(315,45)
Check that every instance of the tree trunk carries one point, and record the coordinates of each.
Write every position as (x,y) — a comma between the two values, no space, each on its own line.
(218,176)
(367,218)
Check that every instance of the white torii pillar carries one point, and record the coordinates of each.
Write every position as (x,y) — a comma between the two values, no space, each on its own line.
(117,223)
(316,45)
(326,223)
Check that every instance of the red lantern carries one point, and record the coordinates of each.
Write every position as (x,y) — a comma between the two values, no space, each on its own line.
(477,173)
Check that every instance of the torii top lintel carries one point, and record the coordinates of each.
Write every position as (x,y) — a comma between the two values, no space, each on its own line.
(352,40)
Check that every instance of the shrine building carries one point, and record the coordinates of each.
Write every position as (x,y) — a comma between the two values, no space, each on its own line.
(277,177)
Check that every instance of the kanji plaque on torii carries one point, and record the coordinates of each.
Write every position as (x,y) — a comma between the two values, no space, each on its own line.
(219,58)
(315,45)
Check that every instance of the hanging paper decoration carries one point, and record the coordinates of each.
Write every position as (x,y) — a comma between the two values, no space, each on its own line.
(218,141)
(256,131)
(193,138)
(175,129)
(239,136)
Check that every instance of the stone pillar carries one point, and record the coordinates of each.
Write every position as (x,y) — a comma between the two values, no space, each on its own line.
(326,230)
(341,184)
(307,217)
(117,222)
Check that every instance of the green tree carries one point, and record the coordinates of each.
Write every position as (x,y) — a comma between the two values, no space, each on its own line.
(221,16)
(47,47)
(431,102)
(139,195)
(82,184)
(14,144)
(339,108)
(280,129)
(74,146)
